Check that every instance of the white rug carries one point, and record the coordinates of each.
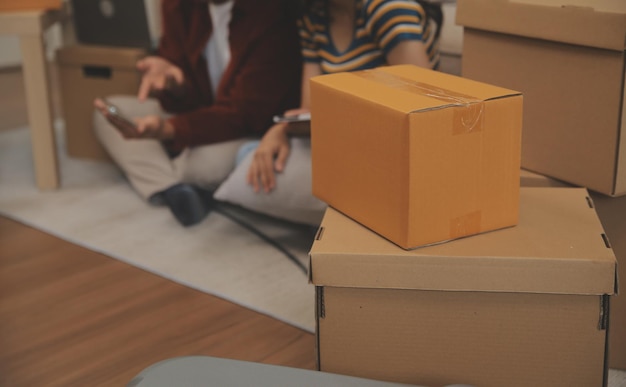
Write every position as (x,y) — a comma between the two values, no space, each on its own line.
(97,209)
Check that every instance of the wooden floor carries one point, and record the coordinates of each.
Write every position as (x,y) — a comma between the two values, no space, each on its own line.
(72,317)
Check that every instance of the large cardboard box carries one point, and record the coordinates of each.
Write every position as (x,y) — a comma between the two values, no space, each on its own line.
(524,306)
(87,72)
(569,63)
(612,214)
(416,155)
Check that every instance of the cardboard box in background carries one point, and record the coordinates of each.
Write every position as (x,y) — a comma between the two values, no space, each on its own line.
(416,155)
(29,5)
(87,72)
(568,61)
(524,306)
(612,214)
(532,179)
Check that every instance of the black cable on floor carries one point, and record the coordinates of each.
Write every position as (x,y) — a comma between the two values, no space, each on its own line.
(217,208)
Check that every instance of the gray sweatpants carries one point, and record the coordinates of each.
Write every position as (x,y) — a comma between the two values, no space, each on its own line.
(147,165)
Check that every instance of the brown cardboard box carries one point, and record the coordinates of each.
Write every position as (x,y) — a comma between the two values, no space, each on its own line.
(612,214)
(28,5)
(416,155)
(87,72)
(569,63)
(524,306)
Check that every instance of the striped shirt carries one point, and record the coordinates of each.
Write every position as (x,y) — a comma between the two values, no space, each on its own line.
(379,26)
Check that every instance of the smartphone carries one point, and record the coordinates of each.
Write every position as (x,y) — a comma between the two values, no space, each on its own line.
(303,117)
(122,123)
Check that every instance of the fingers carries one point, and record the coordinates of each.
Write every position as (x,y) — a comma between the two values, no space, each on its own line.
(264,173)
(149,66)
(144,88)
(281,158)
(142,64)
(99,104)
(157,83)
(121,125)
(293,112)
(269,158)
(176,74)
(252,177)
(267,176)
(151,85)
(261,172)
(142,127)
(149,127)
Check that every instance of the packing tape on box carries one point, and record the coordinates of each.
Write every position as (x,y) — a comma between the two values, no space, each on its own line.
(468,113)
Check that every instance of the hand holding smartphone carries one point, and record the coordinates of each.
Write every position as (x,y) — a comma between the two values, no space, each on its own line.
(302,117)
(298,125)
(112,113)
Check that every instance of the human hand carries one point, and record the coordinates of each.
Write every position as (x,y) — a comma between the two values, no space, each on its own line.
(154,127)
(123,124)
(269,157)
(158,75)
(298,129)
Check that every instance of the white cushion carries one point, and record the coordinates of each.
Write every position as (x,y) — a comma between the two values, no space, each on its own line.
(290,200)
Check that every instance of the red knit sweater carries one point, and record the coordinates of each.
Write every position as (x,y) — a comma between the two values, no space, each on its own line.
(262,79)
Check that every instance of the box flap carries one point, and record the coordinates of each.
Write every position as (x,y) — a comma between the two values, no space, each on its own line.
(83,55)
(409,88)
(618,6)
(559,21)
(558,247)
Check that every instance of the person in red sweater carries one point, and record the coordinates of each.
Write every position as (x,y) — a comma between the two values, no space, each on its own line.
(223,69)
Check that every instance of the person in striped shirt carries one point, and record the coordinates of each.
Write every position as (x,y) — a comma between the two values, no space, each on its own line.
(347,35)
(335,38)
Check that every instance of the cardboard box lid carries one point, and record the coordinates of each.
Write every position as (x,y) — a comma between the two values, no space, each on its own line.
(117,57)
(400,88)
(581,22)
(558,247)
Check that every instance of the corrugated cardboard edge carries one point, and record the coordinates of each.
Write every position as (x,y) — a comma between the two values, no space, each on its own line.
(319,306)
(607,242)
(115,57)
(560,24)
(620,167)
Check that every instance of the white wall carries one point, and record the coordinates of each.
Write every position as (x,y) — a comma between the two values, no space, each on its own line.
(10,55)
(153,11)
(451,40)
(9,51)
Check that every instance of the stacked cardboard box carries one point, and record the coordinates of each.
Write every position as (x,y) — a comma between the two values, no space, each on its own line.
(572,79)
(524,306)
(407,158)
(416,155)
(612,214)
(87,72)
